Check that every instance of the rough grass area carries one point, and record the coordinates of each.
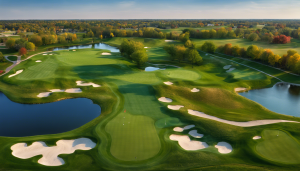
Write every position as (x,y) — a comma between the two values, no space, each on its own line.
(278,146)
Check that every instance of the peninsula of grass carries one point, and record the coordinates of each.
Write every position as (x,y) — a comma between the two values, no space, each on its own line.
(132,132)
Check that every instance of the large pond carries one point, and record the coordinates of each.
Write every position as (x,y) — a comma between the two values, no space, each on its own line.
(281,98)
(17,120)
(93,46)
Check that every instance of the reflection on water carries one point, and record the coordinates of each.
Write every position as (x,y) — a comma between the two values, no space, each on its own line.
(151,69)
(18,120)
(93,46)
(281,98)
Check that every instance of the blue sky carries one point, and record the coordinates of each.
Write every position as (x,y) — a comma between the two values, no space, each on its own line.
(152,9)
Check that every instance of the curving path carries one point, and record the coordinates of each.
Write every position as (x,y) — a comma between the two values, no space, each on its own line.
(240,124)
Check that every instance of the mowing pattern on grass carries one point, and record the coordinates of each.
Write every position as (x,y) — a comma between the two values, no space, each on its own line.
(134,138)
(278,146)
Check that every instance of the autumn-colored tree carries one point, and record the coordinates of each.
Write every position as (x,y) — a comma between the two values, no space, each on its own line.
(37,40)
(243,52)
(74,37)
(193,56)
(2,59)
(266,55)
(140,57)
(253,52)
(10,43)
(282,39)
(30,46)
(253,37)
(180,53)
(112,35)
(227,49)
(274,59)
(101,36)
(22,51)
(292,60)
(235,50)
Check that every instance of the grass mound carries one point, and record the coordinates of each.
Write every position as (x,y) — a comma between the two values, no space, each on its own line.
(278,146)
(134,138)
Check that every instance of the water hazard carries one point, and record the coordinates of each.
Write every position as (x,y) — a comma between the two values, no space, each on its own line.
(281,98)
(17,120)
(93,46)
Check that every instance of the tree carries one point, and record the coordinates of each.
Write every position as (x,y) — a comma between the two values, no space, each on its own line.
(171,50)
(274,59)
(2,59)
(193,56)
(253,37)
(209,47)
(188,43)
(127,48)
(112,35)
(180,52)
(37,40)
(227,49)
(267,55)
(10,43)
(140,57)
(235,50)
(101,36)
(74,37)
(90,34)
(253,52)
(30,46)
(243,52)
(282,39)
(23,51)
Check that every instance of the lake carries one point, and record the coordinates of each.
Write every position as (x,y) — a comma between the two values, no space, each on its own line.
(94,46)
(281,98)
(18,120)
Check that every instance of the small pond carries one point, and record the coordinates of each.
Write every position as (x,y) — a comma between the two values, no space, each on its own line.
(18,120)
(93,46)
(151,68)
(281,98)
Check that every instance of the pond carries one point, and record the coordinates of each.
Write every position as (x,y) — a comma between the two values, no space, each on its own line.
(151,68)
(18,120)
(93,46)
(281,98)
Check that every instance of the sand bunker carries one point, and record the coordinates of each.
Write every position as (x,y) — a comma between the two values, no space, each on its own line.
(80,83)
(44,94)
(18,72)
(224,147)
(175,107)
(256,137)
(185,142)
(38,61)
(194,90)
(50,54)
(168,83)
(50,154)
(164,99)
(179,129)
(73,90)
(240,124)
(169,41)
(195,134)
(240,89)
(231,69)
(57,90)
(45,54)
(74,50)
(105,53)
(227,67)
(146,47)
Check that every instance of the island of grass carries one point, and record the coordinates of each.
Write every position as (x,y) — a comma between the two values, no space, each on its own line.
(134,127)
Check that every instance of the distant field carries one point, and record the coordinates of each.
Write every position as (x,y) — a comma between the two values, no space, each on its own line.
(279,49)
(180,29)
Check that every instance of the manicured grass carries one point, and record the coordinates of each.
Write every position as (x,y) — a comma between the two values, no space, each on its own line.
(279,49)
(125,87)
(13,58)
(278,146)
(134,138)
(4,65)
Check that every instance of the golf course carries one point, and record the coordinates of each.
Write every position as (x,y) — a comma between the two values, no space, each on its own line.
(176,117)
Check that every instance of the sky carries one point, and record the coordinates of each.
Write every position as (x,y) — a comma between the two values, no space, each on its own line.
(152,9)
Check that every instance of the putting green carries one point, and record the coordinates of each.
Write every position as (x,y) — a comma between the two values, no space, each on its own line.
(278,146)
(181,74)
(134,138)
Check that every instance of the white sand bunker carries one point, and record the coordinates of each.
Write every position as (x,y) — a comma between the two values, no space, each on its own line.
(51,54)
(74,50)
(164,99)
(240,89)
(105,53)
(224,147)
(179,129)
(81,83)
(146,47)
(195,134)
(38,61)
(169,41)
(50,154)
(175,107)
(231,69)
(18,72)
(168,83)
(73,90)
(240,124)
(44,94)
(185,142)
(227,67)
(45,54)
(194,90)
(256,137)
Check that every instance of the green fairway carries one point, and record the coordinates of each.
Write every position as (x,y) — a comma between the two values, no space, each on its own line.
(134,138)
(278,146)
